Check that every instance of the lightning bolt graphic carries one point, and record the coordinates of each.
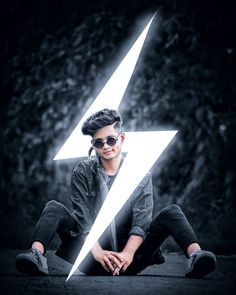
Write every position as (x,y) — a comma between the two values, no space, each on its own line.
(145,146)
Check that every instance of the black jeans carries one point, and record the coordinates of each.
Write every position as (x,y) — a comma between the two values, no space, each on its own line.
(170,221)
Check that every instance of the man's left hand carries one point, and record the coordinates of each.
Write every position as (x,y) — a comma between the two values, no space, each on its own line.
(127,260)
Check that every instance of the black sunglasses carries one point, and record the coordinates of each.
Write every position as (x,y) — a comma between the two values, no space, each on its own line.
(99,143)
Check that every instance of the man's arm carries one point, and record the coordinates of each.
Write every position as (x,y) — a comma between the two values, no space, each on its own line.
(82,207)
(142,206)
(81,201)
(132,245)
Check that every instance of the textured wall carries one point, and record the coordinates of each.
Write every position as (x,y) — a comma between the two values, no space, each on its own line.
(56,58)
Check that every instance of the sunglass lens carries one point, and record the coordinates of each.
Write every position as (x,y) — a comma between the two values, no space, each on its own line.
(111,141)
(98,144)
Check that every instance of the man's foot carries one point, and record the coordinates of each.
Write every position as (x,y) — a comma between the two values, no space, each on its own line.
(200,264)
(32,262)
(158,257)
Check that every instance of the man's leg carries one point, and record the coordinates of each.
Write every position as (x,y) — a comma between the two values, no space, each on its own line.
(55,218)
(171,221)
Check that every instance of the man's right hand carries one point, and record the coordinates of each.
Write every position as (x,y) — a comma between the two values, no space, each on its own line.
(109,260)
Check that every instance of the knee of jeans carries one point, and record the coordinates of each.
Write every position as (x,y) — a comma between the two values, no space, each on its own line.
(172,209)
(167,214)
(55,205)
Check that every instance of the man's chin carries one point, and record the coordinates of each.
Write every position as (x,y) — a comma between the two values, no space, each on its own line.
(108,158)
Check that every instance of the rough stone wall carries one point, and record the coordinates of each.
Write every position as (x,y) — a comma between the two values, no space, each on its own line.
(54,65)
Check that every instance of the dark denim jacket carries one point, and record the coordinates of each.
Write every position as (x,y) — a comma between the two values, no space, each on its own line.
(88,190)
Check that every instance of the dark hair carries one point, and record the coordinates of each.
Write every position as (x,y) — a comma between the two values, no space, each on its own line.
(101,119)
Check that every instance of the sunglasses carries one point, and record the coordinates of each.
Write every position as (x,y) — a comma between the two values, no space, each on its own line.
(99,143)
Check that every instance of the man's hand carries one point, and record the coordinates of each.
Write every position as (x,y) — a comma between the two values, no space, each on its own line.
(128,252)
(127,260)
(109,260)
(116,262)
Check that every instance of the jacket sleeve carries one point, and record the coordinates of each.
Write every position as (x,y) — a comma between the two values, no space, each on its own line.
(142,207)
(81,201)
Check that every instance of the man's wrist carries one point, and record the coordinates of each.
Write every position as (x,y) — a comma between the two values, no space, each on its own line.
(129,251)
(96,250)
(132,245)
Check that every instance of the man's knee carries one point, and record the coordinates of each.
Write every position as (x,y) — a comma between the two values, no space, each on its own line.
(166,216)
(54,205)
(169,212)
(172,210)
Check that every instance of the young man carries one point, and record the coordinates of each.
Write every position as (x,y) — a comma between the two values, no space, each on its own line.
(132,241)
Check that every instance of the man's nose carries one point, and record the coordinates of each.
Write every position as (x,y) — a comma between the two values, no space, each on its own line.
(106,145)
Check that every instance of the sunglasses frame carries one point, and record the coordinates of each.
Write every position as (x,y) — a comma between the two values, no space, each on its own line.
(105,141)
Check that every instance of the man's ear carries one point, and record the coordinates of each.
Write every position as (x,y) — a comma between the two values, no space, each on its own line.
(122,137)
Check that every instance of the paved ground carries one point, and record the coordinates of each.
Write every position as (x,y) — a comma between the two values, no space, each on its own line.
(167,278)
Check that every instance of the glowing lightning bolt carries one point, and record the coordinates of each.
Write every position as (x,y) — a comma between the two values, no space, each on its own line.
(146,146)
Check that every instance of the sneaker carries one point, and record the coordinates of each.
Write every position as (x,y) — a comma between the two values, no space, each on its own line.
(200,264)
(158,257)
(32,262)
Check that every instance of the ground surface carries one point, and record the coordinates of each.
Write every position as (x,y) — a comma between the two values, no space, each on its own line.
(167,278)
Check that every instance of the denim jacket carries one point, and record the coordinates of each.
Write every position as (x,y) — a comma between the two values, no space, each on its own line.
(88,191)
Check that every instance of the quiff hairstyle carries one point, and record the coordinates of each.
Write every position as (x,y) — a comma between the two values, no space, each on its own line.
(101,119)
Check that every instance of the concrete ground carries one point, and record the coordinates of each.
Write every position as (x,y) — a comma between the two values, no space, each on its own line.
(167,278)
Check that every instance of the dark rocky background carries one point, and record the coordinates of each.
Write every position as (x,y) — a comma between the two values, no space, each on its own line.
(55,58)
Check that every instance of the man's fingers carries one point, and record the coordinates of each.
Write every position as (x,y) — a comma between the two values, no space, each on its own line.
(117,255)
(118,269)
(124,267)
(108,263)
(116,272)
(115,261)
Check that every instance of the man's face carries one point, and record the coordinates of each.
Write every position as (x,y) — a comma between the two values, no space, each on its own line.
(108,152)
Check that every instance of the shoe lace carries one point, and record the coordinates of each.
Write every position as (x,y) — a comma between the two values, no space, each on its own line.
(36,255)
